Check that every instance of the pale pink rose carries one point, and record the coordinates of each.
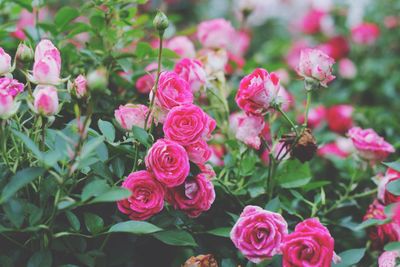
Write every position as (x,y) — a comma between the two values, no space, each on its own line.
(80,86)
(182,46)
(259,233)
(45,100)
(168,162)
(8,106)
(198,152)
(46,48)
(369,144)
(188,124)
(193,197)
(192,71)
(257,92)
(147,197)
(383,194)
(214,60)
(131,114)
(316,65)
(340,118)
(341,147)
(46,71)
(389,259)
(347,69)
(316,116)
(247,128)
(10,86)
(365,33)
(5,62)
(283,75)
(215,33)
(241,43)
(391,22)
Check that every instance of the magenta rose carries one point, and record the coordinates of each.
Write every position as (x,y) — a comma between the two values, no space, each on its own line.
(340,118)
(5,62)
(257,91)
(169,162)
(188,124)
(198,152)
(365,33)
(147,197)
(369,144)
(192,71)
(45,100)
(10,86)
(259,233)
(309,245)
(383,194)
(215,33)
(131,114)
(341,147)
(194,196)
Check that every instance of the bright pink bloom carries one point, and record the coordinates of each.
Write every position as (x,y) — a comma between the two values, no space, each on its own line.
(309,245)
(192,71)
(396,214)
(247,128)
(80,86)
(198,152)
(194,196)
(337,47)
(257,92)
(389,259)
(45,100)
(215,33)
(10,86)
(383,194)
(131,114)
(314,64)
(347,69)
(340,118)
(5,62)
(217,154)
(182,46)
(316,116)
(188,124)
(259,233)
(311,22)
(18,34)
(365,33)
(145,83)
(147,197)
(168,162)
(369,144)
(341,148)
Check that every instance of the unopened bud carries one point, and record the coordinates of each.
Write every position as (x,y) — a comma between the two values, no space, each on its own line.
(24,53)
(97,79)
(160,22)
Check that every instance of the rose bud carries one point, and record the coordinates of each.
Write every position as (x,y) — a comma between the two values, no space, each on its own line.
(80,86)
(131,114)
(46,48)
(365,33)
(315,67)
(45,100)
(192,71)
(247,128)
(201,261)
(389,259)
(339,118)
(46,71)
(5,62)
(10,86)
(160,22)
(182,46)
(24,53)
(8,106)
(385,195)
(215,33)
(97,79)
(347,69)
(306,146)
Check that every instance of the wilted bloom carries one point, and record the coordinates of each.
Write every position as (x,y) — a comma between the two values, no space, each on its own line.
(131,114)
(309,245)
(316,116)
(215,33)
(247,128)
(201,261)
(10,86)
(369,144)
(45,100)
(80,86)
(192,71)
(147,196)
(389,259)
(8,106)
(257,92)
(347,69)
(182,46)
(5,62)
(383,194)
(365,33)
(316,65)
(259,233)
(340,118)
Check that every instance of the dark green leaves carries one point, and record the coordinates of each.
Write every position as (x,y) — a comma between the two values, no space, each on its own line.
(176,238)
(394,187)
(112,195)
(93,222)
(395,165)
(350,257)
(134,227)
(107,129)
(222,232)
(41,258)
(64,16)
(293,174)
(142,136)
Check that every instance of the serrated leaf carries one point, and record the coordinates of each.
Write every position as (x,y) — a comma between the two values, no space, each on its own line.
(141,135)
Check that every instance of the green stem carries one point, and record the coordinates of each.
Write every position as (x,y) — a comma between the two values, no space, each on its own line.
(288,119)
(43,140)
(307,108)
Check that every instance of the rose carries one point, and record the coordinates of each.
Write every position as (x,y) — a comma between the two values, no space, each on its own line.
(198,152)
(215,33)
(293,55)
(316,116)
(147,196)
(24,53)
(47,49)
(5,62)
(45,100)
(192,71)
(194,196)
(285,98)
(316,65)
(214,60)
(383,194)
(337,47)
(380,235)
(365,33)
(247,128)
(188,124)
(312,22)
(10,86)
(389,259)
(369,144)
(172,91)
(46,71)
(131,114)
(347,69)
(257,92)
(144,83)
(339,118)
(80,86)
(182,46)
(341,148)
(309,245)
(259,233)
(168,162)
(396,214)
(8,106)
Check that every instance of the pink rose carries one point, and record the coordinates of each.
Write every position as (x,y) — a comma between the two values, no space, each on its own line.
(247,128)
(340,118)
(396,214)
(342,148)
(217,154)
(214,60)
(131,114)
(5,62)
(257,92)
(192,71)
(198,152)
(365,33)
(311,23)
(182,46)
(316,65)
(8,106)
(309,245)
(337,47)
(145,83)
(316,116)
(188,124)
(389,259)
(193,197)
(172,91)
(47,49)
(215,33)
(46,71)
(10,86)
(347,69)
(241,44)
(259,233)
(293,55)
(383,194)
(80,86)
(169,162)
(18,34)
(286,99)
(369,144)
(45,100)
(147,197)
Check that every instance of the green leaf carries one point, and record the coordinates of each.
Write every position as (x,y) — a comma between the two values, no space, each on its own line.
(350,257)
(19,180)
(395,165)
(118,167)
(392,246)
(64,16)
(107,129)
(112,195)
(176,238)
(93,189)
(29,144)
(273,205)
(369,223)
(134,227)
(41,258)
(91,146)
(293,174)
(93,222)
(73,220)
(141,135)
(14,210)
(143,49)
(394,187)
(223,232)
